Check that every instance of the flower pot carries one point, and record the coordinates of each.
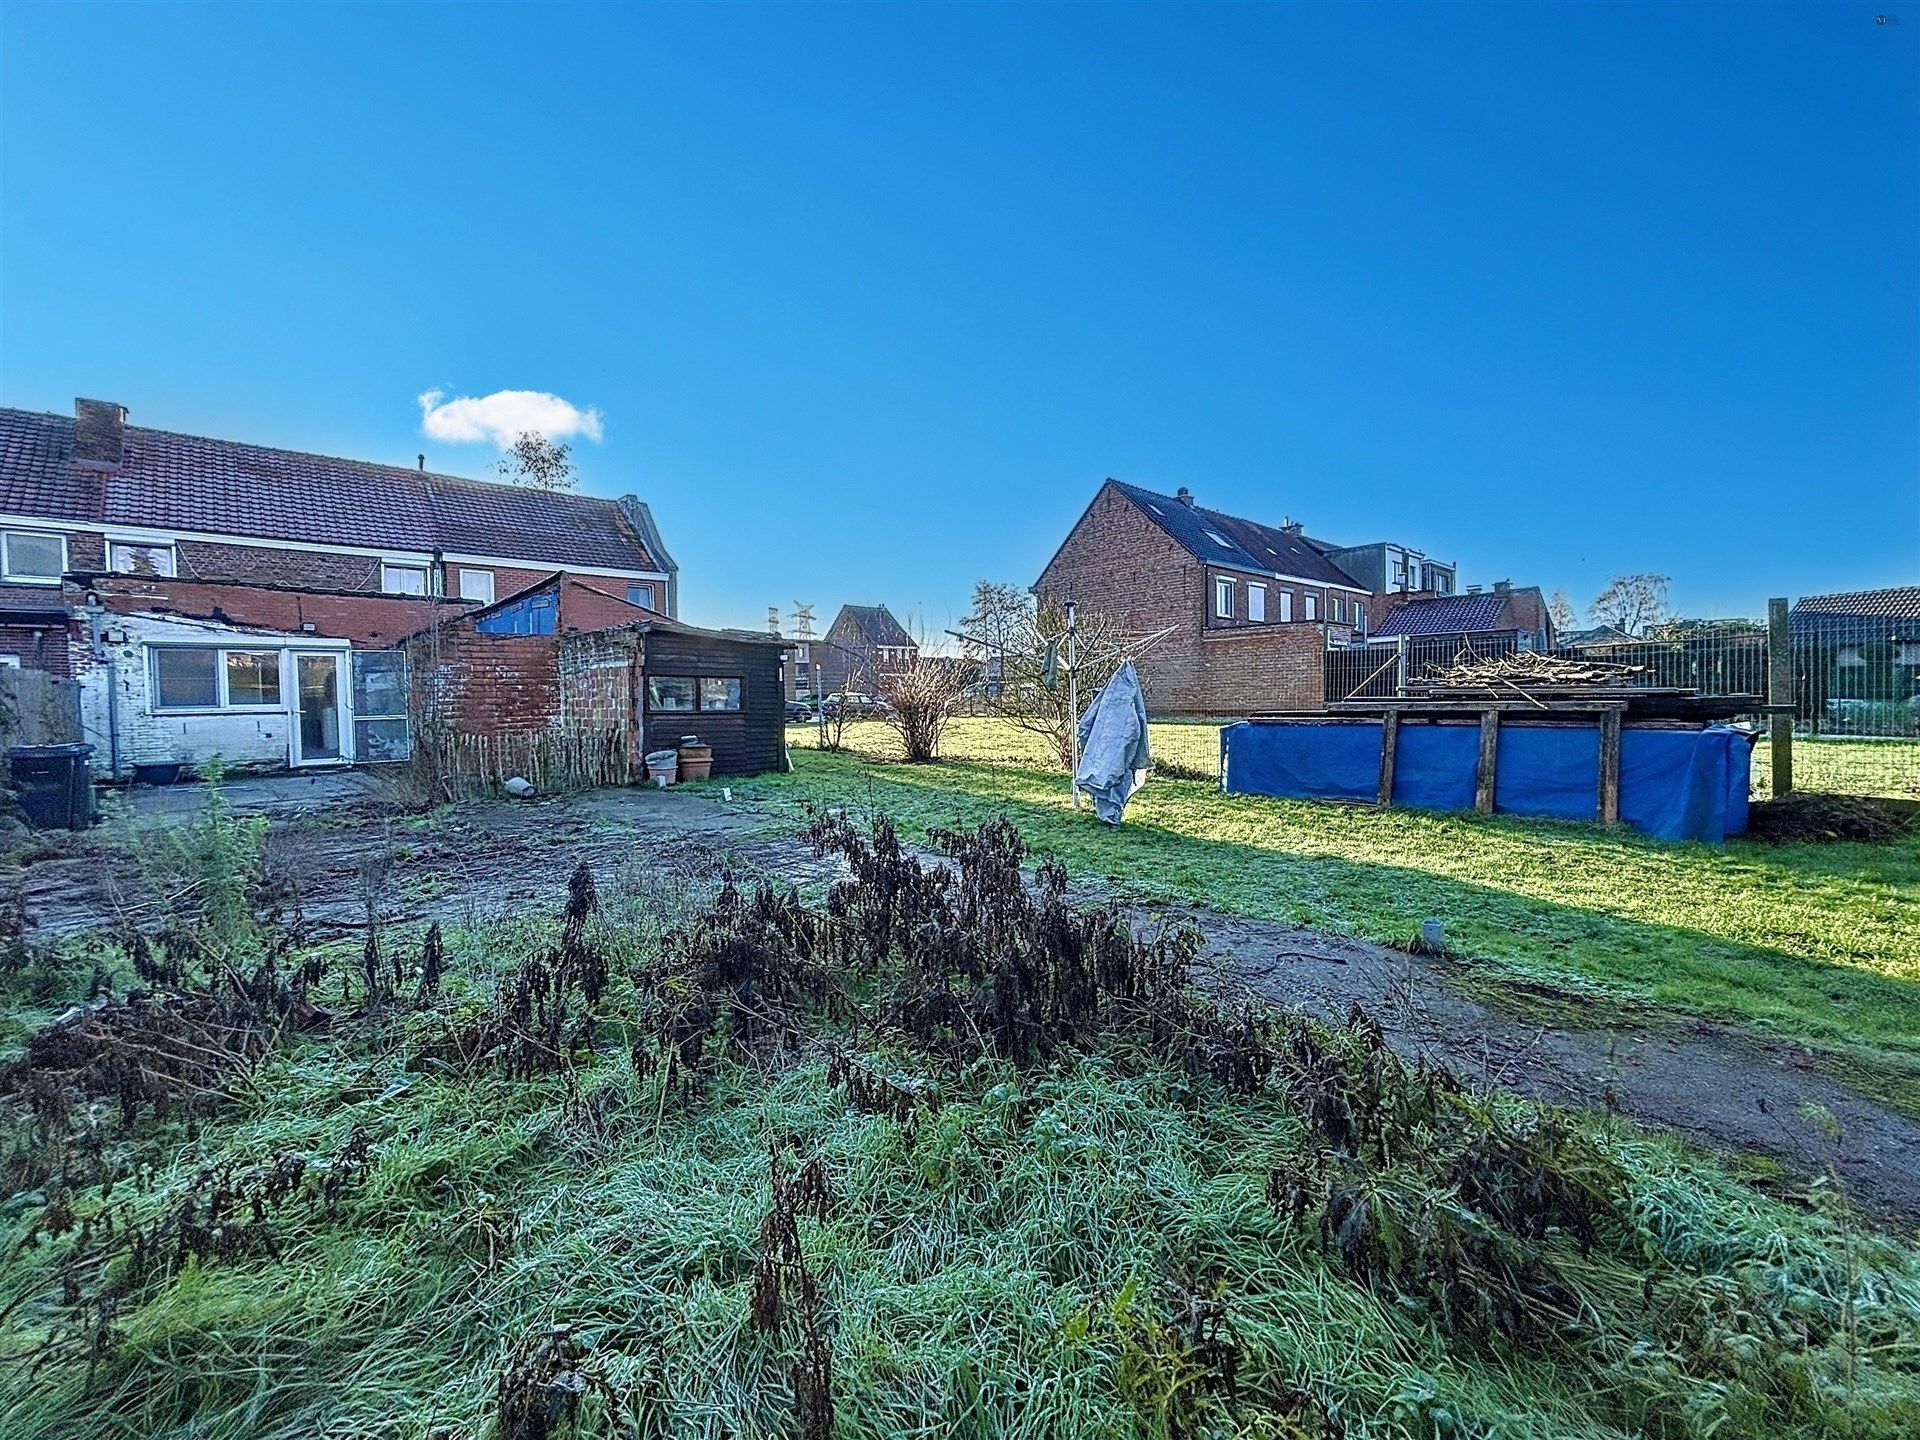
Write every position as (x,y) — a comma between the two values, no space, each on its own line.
(663,767)
(696,762)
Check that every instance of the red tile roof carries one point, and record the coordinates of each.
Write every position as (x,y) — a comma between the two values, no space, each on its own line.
(225,487)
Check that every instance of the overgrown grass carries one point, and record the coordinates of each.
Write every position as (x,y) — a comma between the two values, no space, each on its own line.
(1009,1265)
(1817,944)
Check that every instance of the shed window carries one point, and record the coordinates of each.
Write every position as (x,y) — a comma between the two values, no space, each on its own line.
(720,694)
(476,585)
(1223,598)
(670,692)
(1256,602)
(186,677)
(403,579)
(253,677)
(32,558)
(126,558)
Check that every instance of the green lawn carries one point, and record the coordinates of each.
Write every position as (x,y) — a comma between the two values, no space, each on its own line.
(1815,943)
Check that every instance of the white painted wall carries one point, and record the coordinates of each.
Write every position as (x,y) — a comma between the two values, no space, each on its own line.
(249,737)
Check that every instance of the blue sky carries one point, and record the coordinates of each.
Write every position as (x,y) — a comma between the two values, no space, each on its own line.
(869,300)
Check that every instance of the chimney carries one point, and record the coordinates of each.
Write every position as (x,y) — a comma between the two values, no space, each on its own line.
(1291,526)
(1184,495)
(1473,589)
(423,463)
(1501,587)
(99,431)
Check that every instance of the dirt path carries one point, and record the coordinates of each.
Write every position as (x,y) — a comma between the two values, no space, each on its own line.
(1722,1087)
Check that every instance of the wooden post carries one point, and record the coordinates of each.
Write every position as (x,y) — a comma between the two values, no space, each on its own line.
(1780,695)
(1489,758)
(1389,743)
(1609,803)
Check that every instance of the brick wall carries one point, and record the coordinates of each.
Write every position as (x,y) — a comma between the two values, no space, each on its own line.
(211,560)
(599,680)
(1262,668)
(488,684)
(38,647)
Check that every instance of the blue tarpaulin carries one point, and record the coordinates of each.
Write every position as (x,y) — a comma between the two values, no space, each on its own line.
(1675,784)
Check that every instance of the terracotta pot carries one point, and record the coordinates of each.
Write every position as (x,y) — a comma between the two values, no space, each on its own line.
(696,762)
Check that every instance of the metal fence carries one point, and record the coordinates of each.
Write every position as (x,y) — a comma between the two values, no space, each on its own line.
(1854,682)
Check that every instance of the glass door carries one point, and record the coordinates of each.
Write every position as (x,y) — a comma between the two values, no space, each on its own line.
(320,726)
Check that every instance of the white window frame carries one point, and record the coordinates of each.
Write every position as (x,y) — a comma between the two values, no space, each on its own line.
(163,547)
(1256,600)
(1222,598)
(652,587)
(12,577)
(470,573)
(1360,616)
(1337,609)
(425,572)
(10,662)
(1286,607)
(1310,606)
(222,704)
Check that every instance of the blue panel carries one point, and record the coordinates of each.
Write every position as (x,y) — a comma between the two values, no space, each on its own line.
(1547,770)
(1434,766)
(1674,784)
(529,615)
(1339,760)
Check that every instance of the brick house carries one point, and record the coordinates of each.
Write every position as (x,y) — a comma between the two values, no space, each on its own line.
(863,645)
(1504,610)
(217,595)
(1249,609)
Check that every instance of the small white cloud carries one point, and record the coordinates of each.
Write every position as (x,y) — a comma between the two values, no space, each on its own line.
(504,416)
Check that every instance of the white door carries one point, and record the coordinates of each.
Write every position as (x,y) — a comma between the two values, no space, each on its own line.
(320,708)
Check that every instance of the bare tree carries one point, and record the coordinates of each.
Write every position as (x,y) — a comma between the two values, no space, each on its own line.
(1030,644)
(538,463)
(1561,612)
(1633,603)
(922,696)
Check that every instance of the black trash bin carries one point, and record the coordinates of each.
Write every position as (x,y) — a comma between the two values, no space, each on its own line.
(54,784)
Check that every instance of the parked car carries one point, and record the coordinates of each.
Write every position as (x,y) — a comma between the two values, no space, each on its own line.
(799,712)
(856,704)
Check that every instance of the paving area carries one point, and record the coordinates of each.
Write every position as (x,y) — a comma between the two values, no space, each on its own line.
(337,845)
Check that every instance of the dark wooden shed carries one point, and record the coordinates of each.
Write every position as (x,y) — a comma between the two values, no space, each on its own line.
(725,686)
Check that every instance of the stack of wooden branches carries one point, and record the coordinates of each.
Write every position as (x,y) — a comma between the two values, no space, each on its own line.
(1529,669)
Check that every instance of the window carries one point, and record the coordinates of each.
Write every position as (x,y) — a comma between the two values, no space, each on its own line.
(29,557)
(1223,598)
(668,692)
(721,694)
(129,558)
(185,677)
(1360,617)
(474,585)
(253,677)
(1256,602)
(1312,604)
(380,706)
(642,594)
(403,579)
(1337,605)
(9,662)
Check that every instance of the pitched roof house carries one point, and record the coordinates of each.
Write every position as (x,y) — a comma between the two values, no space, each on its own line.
(1852,614)
(863,645)
(93,493)
(1244,611)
